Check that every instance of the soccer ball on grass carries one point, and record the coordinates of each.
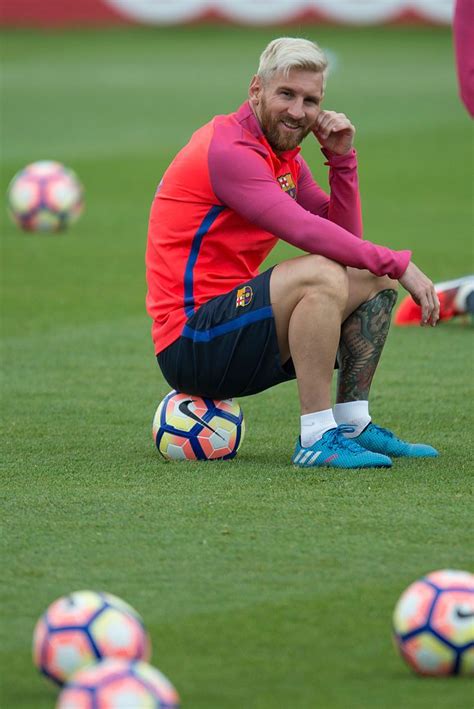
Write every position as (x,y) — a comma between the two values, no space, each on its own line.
(433,624)
(45,196)
(192,428)
(85,627)
(116,684)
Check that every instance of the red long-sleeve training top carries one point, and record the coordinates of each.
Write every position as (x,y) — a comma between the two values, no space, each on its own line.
(221,207)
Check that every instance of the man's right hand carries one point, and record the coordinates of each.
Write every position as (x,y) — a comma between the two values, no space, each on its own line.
(423,293)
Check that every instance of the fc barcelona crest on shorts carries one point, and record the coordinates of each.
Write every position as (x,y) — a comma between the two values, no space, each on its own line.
(244,296)
(287,184)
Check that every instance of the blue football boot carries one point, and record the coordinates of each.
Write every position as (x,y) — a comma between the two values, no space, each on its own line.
(381,440)
(334,450)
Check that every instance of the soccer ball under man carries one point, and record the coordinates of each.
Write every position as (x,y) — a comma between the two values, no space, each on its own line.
(45,196)
(116,684)
(85,627)
(191,428)
(433,624)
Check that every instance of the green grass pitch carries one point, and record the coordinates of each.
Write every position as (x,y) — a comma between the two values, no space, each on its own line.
(262,586)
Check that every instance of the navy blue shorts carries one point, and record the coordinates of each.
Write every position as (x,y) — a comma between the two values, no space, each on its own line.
(229,346)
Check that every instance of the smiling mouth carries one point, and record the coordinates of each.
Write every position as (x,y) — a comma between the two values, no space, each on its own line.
(290,126)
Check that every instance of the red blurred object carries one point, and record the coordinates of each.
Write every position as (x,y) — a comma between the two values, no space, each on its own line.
(59,13)
(82,13)
(453,300)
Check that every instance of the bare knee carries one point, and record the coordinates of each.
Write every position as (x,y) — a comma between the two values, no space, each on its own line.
(319,270)
(315,275)
(318,282)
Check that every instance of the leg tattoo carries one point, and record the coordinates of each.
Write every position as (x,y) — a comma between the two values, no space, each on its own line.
(363,336)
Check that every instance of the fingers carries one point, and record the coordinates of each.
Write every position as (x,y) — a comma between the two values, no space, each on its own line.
(329,122)
(425,309)
(435,315)
(423,293)
(434,308)
(429,302)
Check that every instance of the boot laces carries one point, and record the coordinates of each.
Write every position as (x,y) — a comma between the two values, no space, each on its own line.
(337,438)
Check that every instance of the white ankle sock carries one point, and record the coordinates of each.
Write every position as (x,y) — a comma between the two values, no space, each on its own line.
(354,413)
(314,426)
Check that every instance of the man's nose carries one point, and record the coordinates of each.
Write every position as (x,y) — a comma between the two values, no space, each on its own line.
(296,109)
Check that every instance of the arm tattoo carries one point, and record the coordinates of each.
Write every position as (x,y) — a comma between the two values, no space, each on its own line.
(363,336)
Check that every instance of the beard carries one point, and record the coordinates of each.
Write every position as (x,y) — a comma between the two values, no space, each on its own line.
(279,138)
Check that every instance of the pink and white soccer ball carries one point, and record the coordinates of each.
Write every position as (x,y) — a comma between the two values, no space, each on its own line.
(194,428)
(84,627)
(118,684)
(45,196)
(433,624)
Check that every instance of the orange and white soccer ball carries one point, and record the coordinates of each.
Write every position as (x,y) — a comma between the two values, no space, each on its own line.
(45,196)
(85,627)
(116,684)
(192,428)
(433,624)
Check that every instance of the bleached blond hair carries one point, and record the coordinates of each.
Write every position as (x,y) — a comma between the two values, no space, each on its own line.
(287,53)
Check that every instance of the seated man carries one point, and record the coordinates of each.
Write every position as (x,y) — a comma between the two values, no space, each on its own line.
(220,329)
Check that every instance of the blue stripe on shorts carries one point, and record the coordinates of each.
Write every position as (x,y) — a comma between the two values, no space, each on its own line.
(235,324)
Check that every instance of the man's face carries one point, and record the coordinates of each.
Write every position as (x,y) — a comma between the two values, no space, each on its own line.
(287,107)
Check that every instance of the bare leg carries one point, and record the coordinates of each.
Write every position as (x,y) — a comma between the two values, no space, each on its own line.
(363,333)
(309,296)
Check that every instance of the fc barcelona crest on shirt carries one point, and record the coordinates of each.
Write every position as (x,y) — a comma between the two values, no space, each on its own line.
(244,296)
(287,184)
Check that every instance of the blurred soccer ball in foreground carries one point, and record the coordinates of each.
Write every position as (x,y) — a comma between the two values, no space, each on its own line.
(116,684)
(190,428)
(85,627)
(433,624)
(45,196)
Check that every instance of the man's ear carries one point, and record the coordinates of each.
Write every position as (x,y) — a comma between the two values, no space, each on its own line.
(255,90)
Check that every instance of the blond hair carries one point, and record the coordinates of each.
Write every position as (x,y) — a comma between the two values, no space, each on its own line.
(287,53)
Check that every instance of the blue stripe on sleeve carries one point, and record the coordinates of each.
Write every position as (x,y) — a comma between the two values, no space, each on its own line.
(206,224)
(241,321)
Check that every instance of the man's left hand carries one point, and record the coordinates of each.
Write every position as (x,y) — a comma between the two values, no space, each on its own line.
(334,131)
